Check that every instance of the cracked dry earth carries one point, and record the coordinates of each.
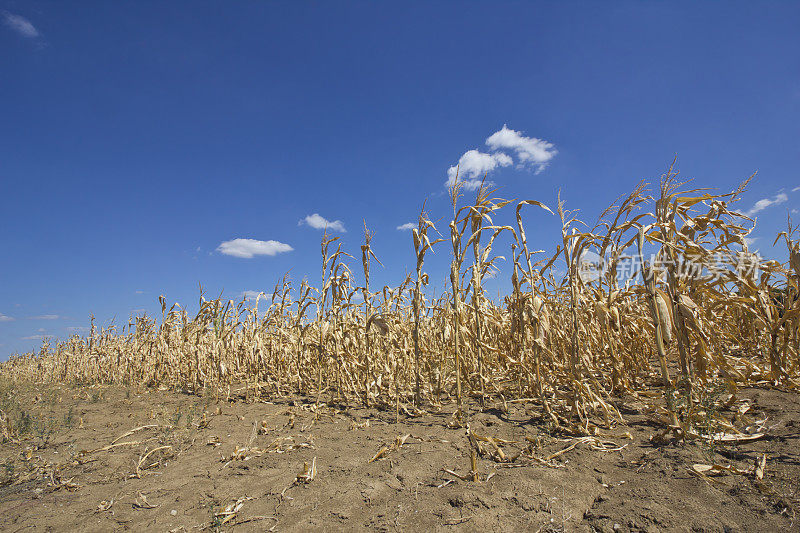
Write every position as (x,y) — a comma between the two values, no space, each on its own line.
(109,458)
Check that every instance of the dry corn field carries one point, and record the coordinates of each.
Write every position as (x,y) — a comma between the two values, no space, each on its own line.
(661,326)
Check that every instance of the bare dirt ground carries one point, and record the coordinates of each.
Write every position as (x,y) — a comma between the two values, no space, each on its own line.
(110,458)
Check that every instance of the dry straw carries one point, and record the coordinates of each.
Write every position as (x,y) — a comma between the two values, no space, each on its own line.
(562,342)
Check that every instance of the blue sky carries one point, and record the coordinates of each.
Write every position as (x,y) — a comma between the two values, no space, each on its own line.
(139,141)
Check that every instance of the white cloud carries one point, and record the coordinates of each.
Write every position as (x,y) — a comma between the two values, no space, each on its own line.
(77,329)
(318,222)
(252,295)
(750,241)
(34,337)
(407,226)
(139,291)
(794,212)
(474,165)
(357,297)
(248,248)
(20,25)
(4,318)
(530,150)
(138,311)
(764,203)
(796,189)
(45,317)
